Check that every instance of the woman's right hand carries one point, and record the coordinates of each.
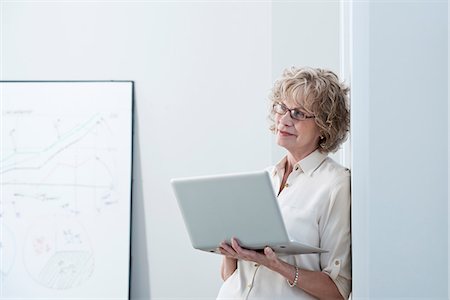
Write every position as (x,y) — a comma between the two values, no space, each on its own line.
(229,263)
(227,250)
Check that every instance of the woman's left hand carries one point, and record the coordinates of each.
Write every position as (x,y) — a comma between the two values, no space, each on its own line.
(268,258)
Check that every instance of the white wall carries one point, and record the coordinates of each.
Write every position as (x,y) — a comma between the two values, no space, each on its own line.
(400,150)
(202,73)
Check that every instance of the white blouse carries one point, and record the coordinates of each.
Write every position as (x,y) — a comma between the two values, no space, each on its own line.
(315,205)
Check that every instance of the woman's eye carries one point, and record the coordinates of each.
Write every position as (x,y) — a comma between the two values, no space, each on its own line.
(279,108)
(296,114)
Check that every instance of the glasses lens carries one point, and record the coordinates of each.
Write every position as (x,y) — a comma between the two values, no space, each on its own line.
(298,115)
(279,108)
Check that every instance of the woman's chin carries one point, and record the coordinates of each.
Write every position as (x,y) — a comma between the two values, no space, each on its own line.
(283,143)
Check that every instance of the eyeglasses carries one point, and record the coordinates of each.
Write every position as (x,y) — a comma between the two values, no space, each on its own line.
(295,113)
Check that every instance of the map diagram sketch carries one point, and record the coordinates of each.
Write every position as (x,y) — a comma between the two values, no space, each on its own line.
(65,182)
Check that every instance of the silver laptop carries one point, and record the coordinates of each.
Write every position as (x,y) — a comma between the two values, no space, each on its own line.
(217,208)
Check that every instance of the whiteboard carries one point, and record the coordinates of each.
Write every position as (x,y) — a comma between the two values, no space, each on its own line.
(66,165)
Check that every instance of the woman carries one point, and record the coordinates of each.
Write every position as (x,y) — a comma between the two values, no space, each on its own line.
(311,118)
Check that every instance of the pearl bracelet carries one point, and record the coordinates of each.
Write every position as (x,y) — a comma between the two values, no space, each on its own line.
(294,283)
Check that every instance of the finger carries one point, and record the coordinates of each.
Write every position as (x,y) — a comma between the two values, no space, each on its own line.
(235,245)
(270,254)
(229,251)
(245,254)
(241,252)
(225,246)
(226,253)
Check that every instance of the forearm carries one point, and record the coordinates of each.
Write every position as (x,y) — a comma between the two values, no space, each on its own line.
(315,283)
(229,265)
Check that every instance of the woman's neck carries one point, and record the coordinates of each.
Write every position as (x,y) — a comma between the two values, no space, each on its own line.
(293,158)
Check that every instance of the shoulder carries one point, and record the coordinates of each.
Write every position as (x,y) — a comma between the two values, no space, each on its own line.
(332,172)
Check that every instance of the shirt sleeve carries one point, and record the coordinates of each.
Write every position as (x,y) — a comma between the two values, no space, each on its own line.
(335,236)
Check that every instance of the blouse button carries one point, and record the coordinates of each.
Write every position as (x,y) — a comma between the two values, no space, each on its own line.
(286,185)
(296,168)
(336,263)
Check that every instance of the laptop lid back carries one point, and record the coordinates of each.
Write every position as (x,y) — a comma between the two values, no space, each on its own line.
(217,208)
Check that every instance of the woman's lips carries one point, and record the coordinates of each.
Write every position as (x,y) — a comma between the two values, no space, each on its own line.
(284,133)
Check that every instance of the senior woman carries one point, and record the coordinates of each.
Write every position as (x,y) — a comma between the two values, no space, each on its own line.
(311,119)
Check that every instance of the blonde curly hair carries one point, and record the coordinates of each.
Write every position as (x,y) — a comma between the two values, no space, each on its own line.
(324,96)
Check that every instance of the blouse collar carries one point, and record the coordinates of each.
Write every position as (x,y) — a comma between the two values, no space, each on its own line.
(308,164)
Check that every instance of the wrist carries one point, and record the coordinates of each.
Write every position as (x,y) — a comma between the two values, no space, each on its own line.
(277,265)
(229,258)
(295,281)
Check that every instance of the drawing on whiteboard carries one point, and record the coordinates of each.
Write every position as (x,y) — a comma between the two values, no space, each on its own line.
(58,253)
(7,250)
(70,164)
(67,176)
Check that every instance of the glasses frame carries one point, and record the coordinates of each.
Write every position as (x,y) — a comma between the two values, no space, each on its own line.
(292,112)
